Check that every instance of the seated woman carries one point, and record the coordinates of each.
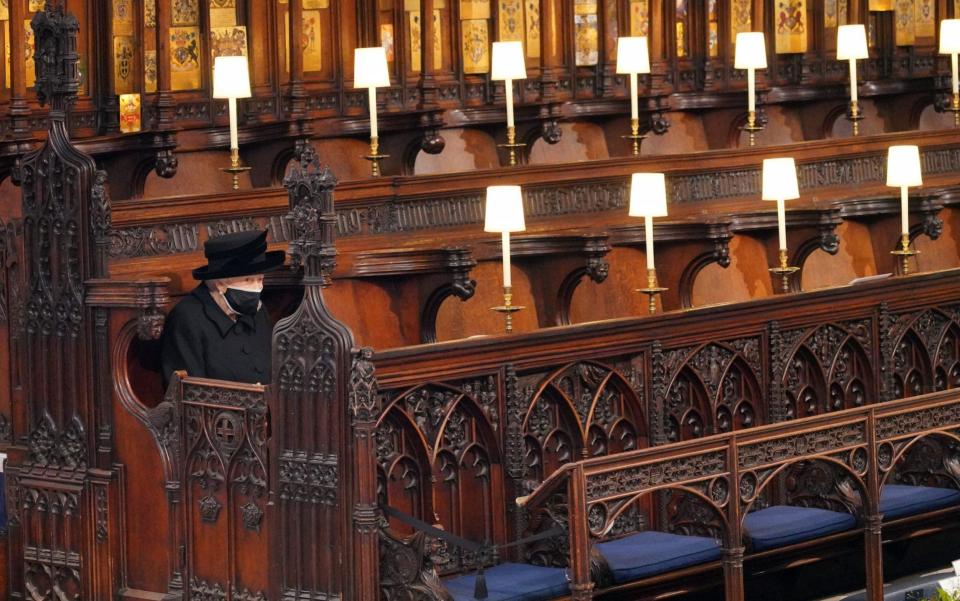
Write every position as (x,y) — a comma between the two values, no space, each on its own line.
(222,330)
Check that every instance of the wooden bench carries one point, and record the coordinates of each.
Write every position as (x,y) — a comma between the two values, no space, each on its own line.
(671,380)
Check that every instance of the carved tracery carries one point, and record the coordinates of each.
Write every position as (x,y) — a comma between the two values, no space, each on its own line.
(826,368)
(712,388)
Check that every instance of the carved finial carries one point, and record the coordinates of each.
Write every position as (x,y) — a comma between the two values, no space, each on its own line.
(310,188)
(58,75)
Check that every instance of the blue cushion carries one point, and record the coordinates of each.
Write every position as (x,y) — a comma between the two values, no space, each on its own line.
(648,553)
(897,500)
(513,582)
(783,525)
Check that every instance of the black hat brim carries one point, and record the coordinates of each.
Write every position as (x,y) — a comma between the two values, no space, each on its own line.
(268,261)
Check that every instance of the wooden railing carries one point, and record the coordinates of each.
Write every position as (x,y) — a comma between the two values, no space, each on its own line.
(527,404)
(729,472)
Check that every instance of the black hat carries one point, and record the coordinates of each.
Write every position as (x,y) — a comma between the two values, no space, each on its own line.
(236,255)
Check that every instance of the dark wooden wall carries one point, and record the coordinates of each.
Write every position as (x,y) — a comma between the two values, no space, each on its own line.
(440,116)
(103,464)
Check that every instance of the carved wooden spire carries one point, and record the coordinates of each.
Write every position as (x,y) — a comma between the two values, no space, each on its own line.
(316,376)
(310,188)
(63,351)
(58,74)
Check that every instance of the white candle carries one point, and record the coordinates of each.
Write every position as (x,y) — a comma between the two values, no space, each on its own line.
(904,212)
(506,259)
(782,224)
(508,92)
(853,80)
(751,90)
(373,113)
(648,238)
(953,65)
(232,102)
(634,111)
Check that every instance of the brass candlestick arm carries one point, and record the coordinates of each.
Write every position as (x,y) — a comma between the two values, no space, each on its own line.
(635,136)
(652,290)
(784,271)
(235,168)
(512,145)
(507,309)
(955,109)
(375,157)
(752,128)
(855,116)
(904,252)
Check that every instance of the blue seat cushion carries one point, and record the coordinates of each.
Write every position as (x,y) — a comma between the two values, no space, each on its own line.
(898,500)
(513,582)
(783,525)
(648,553)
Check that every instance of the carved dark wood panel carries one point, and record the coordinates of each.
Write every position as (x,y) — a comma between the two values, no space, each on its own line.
(439,459)
(318,381)
(826,368)
(224,483)
(583,409)
(716,387)
(61,365)
(924,349)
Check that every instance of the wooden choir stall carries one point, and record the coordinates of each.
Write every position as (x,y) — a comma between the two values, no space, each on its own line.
(770,410)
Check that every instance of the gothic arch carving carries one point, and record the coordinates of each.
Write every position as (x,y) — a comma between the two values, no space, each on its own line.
(712,388)
(827,369)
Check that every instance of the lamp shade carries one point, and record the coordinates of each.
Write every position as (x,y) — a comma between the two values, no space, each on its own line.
(751,51)
(950,36)
(231,77)
(903,166)
(648,195)
(851,42)
(370,68)
(780,179)
(633,56)
(508,61)
(504,210)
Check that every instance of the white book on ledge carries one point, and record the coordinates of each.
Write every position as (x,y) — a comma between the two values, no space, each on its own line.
(870,278)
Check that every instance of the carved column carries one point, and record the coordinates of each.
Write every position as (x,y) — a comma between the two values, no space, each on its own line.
(775,344)
(551,50)
(872,532)
(365,410)
(733,546)
(581,585)
(165,140)
(317,474)
(296,93)
(19,109)
(428,75)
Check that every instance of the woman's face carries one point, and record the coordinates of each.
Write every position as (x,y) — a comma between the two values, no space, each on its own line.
(245,282)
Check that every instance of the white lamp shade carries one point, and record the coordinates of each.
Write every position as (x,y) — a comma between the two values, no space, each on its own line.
(231,77)
(508,61)
(780,179)
(751,51)
(851,42)
(903,166)
(504,210)
(648,195)
(950,36)
(370,68)
(633,56)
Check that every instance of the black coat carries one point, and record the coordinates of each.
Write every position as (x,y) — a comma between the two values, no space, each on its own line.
(201,339)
